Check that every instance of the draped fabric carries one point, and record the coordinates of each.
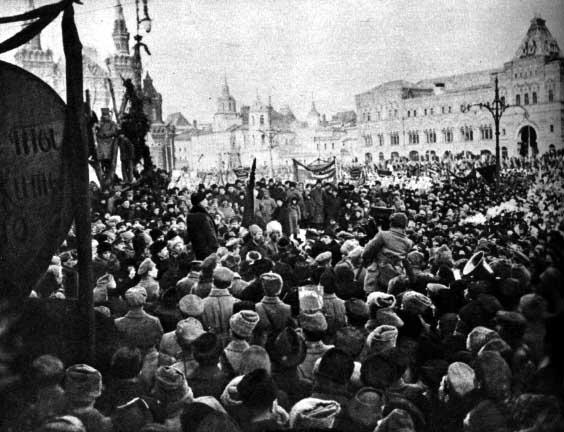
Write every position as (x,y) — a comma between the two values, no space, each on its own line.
(43,16)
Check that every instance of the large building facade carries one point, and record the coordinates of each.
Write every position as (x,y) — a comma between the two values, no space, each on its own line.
(429,118)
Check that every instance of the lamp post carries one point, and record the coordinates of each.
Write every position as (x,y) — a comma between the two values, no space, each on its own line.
(496,108)
(271,134)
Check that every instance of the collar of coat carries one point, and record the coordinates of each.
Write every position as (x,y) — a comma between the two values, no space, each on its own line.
(198,209)
(218,292)
(270,300)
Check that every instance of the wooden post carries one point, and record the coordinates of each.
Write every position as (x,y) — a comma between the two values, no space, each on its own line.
(76,133)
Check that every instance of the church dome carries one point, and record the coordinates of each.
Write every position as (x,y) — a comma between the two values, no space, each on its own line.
(538,41)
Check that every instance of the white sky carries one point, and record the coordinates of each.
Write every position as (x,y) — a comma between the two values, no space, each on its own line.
(292,49)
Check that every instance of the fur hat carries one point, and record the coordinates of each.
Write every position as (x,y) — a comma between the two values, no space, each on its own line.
(398,420)
(222,277)
(207,347)
(336,366)
(271,284)
(47,369)
(132,416)
(208,264)
(146,265)
(83,383)
(494,375)
(287,350)
(243,323)
(351,340)
(387,317)
(478,337)
(382,338)
(381,300)
(533,307)
(254,357)
(191,305)
(379,371)
(314,322)
(348,246)
(136,296)
(356,309)
(485,416)
(171,388)
(257,389)
(314,414)
(197,197)
(65,423)
(188,330)
(366,407)
(254,229)
(415,303)
(461,378)
(323,258)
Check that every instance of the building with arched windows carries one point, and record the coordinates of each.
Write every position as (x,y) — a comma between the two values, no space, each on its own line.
(416,119)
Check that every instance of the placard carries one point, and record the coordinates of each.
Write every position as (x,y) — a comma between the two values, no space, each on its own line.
(35,185)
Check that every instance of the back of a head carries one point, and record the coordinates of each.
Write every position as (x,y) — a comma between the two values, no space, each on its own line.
(398,220)
(126,363)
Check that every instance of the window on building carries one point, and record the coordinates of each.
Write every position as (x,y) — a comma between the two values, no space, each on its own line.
(368,116)
(414,113)
(467,133)
(504,153)
(526,99)
(503,131)
(551,95)
(261,121)
(534,98)
(380,140)
(486,132)
(431,136)
(447,135)
(332,146)
(262,139)
(381,156)
(432,111)
(317,146)
(518,99)
(425,111)
(552,128)
(394,138)
(408,113)
(442,110)
(502,100)
(396,113)
(413,137)
(325,146)
(449,109)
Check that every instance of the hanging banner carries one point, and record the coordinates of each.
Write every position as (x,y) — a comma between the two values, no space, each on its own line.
(317,170)
(242,173)
(35,186)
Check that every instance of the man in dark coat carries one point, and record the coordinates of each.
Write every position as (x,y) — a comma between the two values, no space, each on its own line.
(201,229)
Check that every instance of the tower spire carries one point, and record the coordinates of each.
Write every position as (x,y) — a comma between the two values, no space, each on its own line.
(120,34)
(35,42)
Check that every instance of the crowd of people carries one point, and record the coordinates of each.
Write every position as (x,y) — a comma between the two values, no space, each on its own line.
(337,306)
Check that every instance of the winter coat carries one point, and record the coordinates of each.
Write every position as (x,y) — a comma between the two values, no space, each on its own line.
(139,329)
(294,217)
(274,315)
(384,255)
(201,232)
(218,308)
(318,201)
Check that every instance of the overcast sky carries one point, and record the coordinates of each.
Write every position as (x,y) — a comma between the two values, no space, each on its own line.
(293,49)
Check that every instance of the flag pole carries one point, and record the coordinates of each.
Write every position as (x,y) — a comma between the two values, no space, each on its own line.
(76,133)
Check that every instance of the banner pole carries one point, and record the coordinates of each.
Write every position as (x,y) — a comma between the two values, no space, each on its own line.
(76,133)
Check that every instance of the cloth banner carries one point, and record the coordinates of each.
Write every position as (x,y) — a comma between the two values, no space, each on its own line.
(242,173)
(317,170)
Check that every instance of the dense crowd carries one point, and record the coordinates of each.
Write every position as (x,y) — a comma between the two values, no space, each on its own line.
(385,306)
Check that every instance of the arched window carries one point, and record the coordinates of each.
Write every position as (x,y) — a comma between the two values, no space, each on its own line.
(368,116)
(504,152)
(534,98)
(518,99)
(325,146)
(551,95)
(381,156)
(261,121)
(333,146)
(526,99)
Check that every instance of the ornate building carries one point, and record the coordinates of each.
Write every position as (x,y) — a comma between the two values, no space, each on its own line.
(118,65)
(226,114)
(428,118)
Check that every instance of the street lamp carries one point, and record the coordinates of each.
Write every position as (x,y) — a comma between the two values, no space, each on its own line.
(143,23)
(271,134)
(496,108)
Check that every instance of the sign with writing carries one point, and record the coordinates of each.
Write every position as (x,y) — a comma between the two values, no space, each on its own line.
(35,186)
